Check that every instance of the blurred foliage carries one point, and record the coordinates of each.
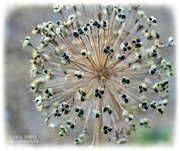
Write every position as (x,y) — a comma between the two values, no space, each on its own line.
(149,136)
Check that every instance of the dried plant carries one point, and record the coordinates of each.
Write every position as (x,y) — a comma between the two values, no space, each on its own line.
(100,67)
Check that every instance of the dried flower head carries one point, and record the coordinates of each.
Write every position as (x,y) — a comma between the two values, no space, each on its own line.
(99,70)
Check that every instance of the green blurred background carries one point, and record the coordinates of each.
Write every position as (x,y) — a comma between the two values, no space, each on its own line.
(21,117)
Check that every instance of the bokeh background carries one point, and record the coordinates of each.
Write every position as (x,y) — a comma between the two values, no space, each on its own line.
(21,117)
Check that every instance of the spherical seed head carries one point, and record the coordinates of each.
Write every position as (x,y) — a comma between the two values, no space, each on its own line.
(102,72)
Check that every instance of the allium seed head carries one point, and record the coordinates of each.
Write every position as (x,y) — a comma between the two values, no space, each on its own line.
(100,68)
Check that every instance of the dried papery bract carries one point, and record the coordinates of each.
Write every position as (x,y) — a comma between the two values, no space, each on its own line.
(100,67)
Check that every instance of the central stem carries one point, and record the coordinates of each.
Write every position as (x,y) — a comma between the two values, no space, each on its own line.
(99,124)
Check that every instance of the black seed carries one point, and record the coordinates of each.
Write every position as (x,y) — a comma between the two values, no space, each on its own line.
(95,23)
(58,22)
(109,129)
(68,123)
(140,91)
(62,110)
(50,35)
(58,115)
(66,111)
(98,25)
(83,53)
(105,109)
(166,82)
(154,54)
(141,123)
(119,15)
(64,54)
(72,126)
(123,96)
(130,119)
(102,92)
(111,50)
(104,25)
(83,94)
(97,115)
(140,56)
(145,107)
(108,47)
(126,100)
(33,88)
(66,57)
(45,71)
(154,21)
(105,50)
(145,89)
(127,81)
(81,32)
(123,57)
(110,112)
(126,44)
(123,16)
(105,132)
(150,37)
(123,80)
(81,112)
(97,94)
(35,62)
(138,40)
(76,110)
(153,106)
(144,103)
(75,34)
(155,90)
(80,115)
(85,28)
(124,49)
(129,48)
(133,41)
(145,123)
(82,99)
(46,91)
(138,45)
(152,72)
(165,104)
(157,35)
(79,76)
(140,87)
(105,127)
(96,91)
(66,106)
